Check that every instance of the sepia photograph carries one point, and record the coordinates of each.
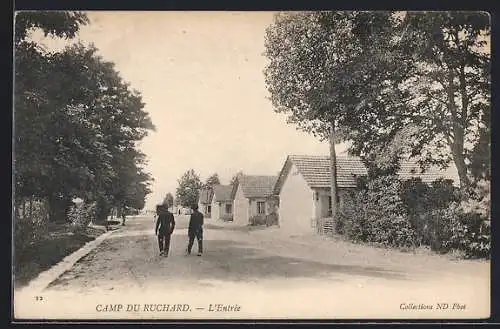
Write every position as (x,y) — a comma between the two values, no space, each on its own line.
(251,165)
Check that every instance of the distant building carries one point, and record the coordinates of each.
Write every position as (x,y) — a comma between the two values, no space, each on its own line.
(205,202)
(222,202)
(252,197)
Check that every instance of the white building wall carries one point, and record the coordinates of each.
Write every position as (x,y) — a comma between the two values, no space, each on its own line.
(215,209)
(241,207)
(296,203)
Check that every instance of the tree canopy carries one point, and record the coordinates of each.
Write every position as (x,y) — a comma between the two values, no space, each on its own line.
(76,122)
(212,180)
(62,24)
(169,199)
(235,177)
(413,82)
(188,191)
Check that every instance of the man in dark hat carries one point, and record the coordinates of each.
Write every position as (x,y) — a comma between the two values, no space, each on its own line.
(195,230)
(123,216)
(165,224)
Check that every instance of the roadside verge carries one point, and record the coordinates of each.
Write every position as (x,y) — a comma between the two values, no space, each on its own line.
(40,282)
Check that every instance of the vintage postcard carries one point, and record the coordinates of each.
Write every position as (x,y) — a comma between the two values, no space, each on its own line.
(251,165)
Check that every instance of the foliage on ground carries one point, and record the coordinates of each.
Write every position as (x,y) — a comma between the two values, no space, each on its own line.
(49,250)
(413,214)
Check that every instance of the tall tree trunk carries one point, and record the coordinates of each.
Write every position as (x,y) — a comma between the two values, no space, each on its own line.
(458,128)
(333,174)
(459,160)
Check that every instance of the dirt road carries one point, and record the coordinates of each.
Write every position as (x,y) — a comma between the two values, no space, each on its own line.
(262,274)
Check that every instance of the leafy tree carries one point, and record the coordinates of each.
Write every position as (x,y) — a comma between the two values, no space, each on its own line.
(34,162)
(445,92)
(76,125)
(323,66)
(235,177)
(169,199)
(212,180)
(372,75)
(62,24)
(135,187)
(188,191)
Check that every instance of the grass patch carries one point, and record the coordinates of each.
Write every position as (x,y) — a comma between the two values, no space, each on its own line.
(50,250)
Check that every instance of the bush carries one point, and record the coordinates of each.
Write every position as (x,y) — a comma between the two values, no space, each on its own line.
(377,215)
(423,202)
(81,215)
(439,226)
(31,219)
(460,229)
(257,220)
(394,214)
(352,218)
(471,233)
(480,199)
(419,197)
(392,231)
(272,219)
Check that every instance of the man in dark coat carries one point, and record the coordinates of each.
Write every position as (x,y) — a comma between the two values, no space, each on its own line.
(123,216)
(165,224)
(195,230)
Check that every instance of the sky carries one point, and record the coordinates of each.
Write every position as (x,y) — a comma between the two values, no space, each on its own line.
(201,78)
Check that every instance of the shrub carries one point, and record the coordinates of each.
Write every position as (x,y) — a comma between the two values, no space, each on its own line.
(463,230)
(377,215)
(392,231)
(394,214)
(31,219)
(226,217)
(480,199)
(423,202)
(352,217)
(257,220)
(271,219)
(81,215)
(419,197)
(439,226)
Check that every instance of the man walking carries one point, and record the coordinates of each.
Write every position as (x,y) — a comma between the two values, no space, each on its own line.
(195,230)
(165,224)
(123,216)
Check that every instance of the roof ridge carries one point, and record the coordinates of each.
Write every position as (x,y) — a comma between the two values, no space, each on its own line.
(259,176)
(324,156)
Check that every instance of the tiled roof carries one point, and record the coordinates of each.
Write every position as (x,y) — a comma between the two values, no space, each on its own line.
(256,186)
(222,193)
(412,170)
(316,171)
(205,196)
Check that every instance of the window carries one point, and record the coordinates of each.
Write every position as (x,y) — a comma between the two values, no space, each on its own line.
(209,209)
(228,208)
(261,207)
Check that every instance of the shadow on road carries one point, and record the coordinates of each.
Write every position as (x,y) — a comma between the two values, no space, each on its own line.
(134,258)
(236,228)
(234,261)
